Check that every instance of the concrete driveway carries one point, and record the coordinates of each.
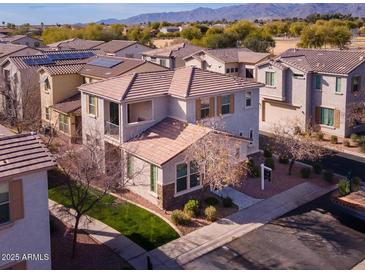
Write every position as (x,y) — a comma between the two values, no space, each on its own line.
(314,236)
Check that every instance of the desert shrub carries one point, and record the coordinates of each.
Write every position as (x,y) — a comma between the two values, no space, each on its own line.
(346,143)
(210,213)
(343,187)
(361,140)
(267,153)
(334,139)
(191,208)
(284,159)
(320,136)
(211,201)
(305,172)
(269,162)
(328,175)
(253,169)
(178,217)
(354,137)
(317,168)
(227,202)
(297,130)
(355,184)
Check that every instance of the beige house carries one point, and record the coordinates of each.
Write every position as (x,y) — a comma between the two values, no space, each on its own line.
(317,88)
(24,218)
(232,61)
(60,98)
(75,44)
(152,117)
(22,40)
(171,57)
(123,48)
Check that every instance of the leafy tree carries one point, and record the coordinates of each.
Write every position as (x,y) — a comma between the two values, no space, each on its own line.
(312,37)
(191,33)
(296,28)
(155,25)
(339,36)
(259,41)
(240,30)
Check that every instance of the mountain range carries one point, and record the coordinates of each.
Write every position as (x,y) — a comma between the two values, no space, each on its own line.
(244,11)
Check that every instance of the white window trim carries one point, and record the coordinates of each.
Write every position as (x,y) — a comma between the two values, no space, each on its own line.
(188,189)
(251,106)
(271,86)
(226,114)
(88,103)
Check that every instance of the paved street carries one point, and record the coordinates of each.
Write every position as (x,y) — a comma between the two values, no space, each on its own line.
(314,236)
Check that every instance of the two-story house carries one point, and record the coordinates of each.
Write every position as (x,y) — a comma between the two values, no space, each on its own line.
(153,117)
(318,88)
(22,80)
(24,217)
(171,57)
(123,48)
(233,61)
(60,98)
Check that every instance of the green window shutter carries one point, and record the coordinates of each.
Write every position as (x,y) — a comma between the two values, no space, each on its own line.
(338,84)
(153,176)
(318,81)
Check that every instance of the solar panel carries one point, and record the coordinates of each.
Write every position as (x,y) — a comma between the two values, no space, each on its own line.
(38,61)
(70,56)
(104,62)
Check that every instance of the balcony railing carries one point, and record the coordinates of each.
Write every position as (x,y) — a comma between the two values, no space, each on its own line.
(111,130)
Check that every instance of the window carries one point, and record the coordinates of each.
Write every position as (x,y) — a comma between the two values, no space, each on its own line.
(181,177)
(139,112)
(194,175)
(248,98)
(251,134)
(236,70)
(227,70)
(318,79)
(249,73)
(356,83)
(225,104)
(327,116)
(338,84)
(297,75)
(92,105)
(204,108)
(129,166)
(232,70)
(153,59)
(4,203)
(269,78)
(153,178)
(163,62)
(63,121)
(47,85)
(48,116)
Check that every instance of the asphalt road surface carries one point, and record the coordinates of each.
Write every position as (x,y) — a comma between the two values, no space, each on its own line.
(314,236)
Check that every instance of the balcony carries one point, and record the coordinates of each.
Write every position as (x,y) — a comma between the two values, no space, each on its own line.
(111,130)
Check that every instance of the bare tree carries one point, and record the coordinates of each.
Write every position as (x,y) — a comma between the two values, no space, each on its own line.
(356,113)
(217,157)
(290,143)
(21,101)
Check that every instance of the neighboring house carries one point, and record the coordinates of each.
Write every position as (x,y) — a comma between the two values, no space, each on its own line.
(233,61)
(22,40)
(6,31)
(60,98)
(24,217)
(75,44)
(22,79)
(7,50)
(170,29)
(153,116)
(123,48)
(319,88)
(172,56)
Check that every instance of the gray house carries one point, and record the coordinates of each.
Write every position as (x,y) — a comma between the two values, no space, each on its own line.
(153,116)
(319,88)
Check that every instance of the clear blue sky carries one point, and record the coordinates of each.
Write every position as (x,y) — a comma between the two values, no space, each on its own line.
(83,13)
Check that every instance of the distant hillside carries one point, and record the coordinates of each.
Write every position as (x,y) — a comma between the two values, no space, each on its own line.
(245,11)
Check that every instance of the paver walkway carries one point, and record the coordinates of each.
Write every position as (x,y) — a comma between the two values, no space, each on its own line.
(100,232)
(240,199)
(175,254)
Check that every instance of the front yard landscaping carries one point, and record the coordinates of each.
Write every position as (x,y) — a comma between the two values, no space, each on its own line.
(144,228)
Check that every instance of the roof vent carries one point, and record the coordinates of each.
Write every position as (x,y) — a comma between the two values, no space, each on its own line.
(361,58)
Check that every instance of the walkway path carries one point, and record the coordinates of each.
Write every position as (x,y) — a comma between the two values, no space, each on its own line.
(175,254)
(100,232)
(240,199)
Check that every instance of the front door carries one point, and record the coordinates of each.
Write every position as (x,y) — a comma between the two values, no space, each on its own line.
(114,113)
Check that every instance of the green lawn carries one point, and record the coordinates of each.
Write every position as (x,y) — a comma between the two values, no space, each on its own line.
(144,228)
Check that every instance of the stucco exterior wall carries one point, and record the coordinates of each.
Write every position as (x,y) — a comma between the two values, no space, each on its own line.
(169,62)
(30,235)
(133,51)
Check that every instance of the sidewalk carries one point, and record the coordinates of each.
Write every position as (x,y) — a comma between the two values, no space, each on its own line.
(360,266)
(100,232)
(175,254)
